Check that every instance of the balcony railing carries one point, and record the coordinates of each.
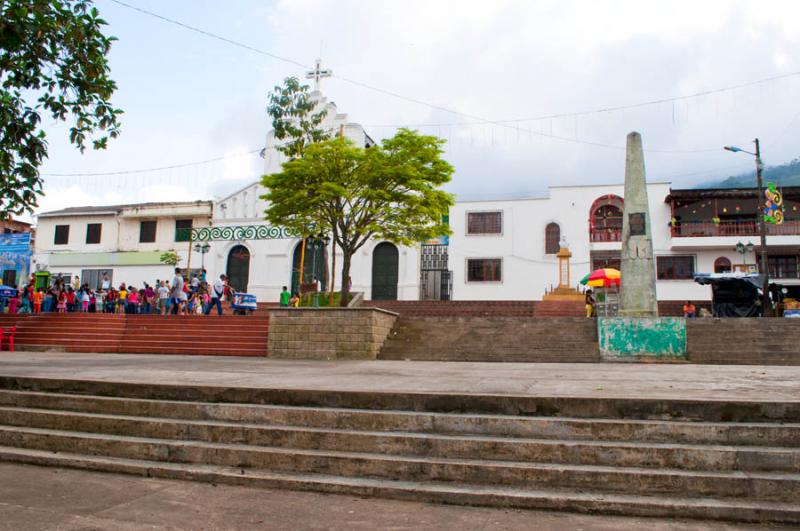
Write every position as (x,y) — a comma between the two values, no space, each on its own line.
(606,234)
(731,228)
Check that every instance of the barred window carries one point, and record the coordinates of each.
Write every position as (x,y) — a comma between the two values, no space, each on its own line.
(552,237)
(484,270)
(675,267)
(484,223)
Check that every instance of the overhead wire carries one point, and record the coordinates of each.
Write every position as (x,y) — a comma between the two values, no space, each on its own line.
(478,120)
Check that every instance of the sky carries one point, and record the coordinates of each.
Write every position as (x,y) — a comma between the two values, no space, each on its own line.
(500,65)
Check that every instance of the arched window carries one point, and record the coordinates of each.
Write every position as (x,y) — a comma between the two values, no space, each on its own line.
(722,265)
(552,235)
(605,219)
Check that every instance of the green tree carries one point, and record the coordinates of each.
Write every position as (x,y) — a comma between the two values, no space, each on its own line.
(170,258)
(53,61)
(389,192)
(293,118)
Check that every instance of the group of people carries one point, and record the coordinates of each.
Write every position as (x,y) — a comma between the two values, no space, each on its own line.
(178,297)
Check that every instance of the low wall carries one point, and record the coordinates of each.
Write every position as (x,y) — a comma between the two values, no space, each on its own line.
(328,333)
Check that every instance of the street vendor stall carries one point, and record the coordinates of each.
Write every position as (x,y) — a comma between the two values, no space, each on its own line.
(733,294)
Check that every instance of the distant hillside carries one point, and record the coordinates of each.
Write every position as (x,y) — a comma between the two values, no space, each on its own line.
(784,175)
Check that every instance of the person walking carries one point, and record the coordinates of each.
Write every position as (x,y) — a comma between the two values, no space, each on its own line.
(217,293)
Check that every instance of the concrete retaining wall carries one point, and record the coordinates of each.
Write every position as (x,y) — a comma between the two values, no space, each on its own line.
(632,338)
(328,333)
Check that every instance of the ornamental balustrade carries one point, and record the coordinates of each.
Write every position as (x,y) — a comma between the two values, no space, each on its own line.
(237,233)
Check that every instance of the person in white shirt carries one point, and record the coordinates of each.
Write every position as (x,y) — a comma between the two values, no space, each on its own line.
(178,296)
(163,297)
(217,292)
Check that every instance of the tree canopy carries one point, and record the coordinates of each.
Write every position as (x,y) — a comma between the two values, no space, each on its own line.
(53,61)
(291,108)
(389,192)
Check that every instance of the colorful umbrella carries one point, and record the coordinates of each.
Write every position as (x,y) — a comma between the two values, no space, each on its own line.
(602,277)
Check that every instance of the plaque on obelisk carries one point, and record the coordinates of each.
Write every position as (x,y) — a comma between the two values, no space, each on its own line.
(638,283)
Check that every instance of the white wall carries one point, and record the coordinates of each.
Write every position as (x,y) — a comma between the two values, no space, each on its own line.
(46,227)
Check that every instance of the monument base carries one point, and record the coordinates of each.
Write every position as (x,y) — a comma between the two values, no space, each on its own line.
(564,294)
(642,338)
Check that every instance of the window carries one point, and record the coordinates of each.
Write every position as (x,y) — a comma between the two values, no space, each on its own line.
(552,235)
(484,223)
(484,270)
(93,232)
(10,277)
(722,265)
(62,235)
(182,228)
(97,277)
(782,266)
(147,232)
(675,267)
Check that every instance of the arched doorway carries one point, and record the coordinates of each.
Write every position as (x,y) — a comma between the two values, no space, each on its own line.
(238,268)
(315,264)
(722,265)
(385,266)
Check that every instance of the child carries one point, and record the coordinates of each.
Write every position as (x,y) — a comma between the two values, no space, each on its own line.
(38,297)
(61,306)
(85,300)
(13,302)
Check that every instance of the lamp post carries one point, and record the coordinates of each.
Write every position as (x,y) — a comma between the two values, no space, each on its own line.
(202,249)
(743,250)
(762,228)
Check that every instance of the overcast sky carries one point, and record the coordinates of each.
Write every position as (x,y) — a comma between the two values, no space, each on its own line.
(190,98)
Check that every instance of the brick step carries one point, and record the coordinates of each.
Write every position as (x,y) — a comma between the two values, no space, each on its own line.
(195,351)
(629,453)
(456,494)
(780,434)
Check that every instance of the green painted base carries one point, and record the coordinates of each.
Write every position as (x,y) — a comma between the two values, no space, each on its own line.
(637,338)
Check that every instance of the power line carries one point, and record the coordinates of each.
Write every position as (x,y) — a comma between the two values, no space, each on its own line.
(477,119)
(149,170)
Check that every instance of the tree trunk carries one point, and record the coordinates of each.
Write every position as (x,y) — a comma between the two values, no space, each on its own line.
(346,256)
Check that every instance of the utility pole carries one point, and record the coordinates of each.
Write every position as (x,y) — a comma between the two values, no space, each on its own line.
(762,229)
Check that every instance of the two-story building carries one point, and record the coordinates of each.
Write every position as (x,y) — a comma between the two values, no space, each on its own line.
(506,250)
(122,242)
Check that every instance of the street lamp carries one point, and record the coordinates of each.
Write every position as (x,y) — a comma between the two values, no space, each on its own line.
(762,228)
(202,248)
(743,250)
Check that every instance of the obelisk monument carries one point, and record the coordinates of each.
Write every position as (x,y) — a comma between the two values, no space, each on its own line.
(638,283)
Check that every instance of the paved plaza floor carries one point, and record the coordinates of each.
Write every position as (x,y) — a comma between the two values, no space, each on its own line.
(609,380)
(33,498)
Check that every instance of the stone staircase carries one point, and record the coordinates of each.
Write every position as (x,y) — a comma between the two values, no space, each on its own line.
(507,339)
(724,460)
(151,334)
(457,308)
(752,341)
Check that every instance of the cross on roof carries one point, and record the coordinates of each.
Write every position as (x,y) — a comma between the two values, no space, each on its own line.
(318,73)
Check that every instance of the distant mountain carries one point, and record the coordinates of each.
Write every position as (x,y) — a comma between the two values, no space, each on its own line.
(784,175)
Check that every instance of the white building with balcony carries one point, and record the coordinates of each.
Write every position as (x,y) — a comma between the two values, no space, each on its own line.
(506,250)
(122,242)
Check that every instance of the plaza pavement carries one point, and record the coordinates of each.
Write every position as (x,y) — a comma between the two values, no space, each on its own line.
(608,380)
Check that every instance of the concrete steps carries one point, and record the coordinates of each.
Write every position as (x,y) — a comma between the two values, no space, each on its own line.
(721,459)
(502,339)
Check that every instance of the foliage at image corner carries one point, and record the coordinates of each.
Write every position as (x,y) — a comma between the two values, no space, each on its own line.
(53,63)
